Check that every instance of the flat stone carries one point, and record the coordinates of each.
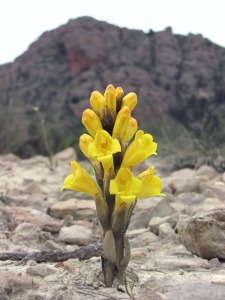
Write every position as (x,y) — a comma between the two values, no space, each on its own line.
(40,270)
(148,290)
(36,201)
(198,291)
(206,172)
(155,222)
(215,189)
(26,232)
(136,232)
(10,157)
(76,234)
(14,282)
(66,155)
(17,215)
(78,209)
(148,208)
(172,262)
(166,231)
(181,181)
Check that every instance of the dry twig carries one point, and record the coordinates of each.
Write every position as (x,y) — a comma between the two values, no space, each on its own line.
(82,253)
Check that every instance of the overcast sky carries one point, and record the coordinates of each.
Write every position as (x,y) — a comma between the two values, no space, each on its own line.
(23,21)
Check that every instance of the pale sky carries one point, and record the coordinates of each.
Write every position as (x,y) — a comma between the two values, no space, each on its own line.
(23,21)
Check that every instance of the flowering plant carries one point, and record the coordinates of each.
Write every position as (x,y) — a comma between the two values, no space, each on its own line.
(112,154)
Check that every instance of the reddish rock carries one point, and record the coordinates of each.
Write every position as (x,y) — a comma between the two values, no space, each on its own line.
(179,78)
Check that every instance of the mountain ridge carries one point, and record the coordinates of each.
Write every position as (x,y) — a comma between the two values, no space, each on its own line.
(179,81)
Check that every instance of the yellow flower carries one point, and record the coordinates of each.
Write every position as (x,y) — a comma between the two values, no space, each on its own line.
(85,140)
(151,184)
(91,122)
(130,100)
(102,148)
(130,131)
(80,181)
(122,120)
(141,148)
(110,98)
(125,186)
(97,102)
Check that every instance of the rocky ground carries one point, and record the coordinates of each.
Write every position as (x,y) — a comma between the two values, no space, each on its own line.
(35,216)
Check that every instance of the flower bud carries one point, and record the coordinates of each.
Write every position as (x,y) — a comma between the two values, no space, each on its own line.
(85,140)
(130,100)
(122,120)
(91,122)
(110,98)
(97,102)
(130,131)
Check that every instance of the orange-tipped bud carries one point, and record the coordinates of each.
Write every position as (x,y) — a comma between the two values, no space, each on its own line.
(130,100)
(97,102)
(131,129)
(110,98)
(91,122)
(85,140)
(119,93)
(121,122)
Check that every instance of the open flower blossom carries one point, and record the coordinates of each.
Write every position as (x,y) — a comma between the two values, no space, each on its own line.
(102,148)
(125,186)
(80,180)
(140,149)
(151,184)
(114,145)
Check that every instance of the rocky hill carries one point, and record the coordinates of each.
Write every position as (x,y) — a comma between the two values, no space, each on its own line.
(180,82)
(177,242)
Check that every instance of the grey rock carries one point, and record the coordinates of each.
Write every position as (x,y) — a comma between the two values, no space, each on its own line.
(76,234)
(155,222)
(204,233)
(40,270)
(166,231)
(149,208)
(181,181)
(78,209)
(26,232)
(17,215)
(188,262)
(206,173)
(14,282)
(198,291)
(65,155)
(214,189)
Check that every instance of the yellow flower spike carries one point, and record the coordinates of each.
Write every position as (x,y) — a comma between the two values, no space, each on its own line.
(103,147)
(85,140)
(121,123)
(130,131)
(97,102)
(130,100)
(125,186)
(151,184)
(110,98)
(91,122)
(80,180)
(141,148)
